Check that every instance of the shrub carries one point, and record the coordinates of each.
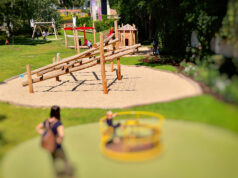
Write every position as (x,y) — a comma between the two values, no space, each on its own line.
(105,24)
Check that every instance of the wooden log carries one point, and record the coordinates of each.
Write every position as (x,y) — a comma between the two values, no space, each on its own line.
(34,30)
(58,57)
(71,58)
(28,70)
(65,38)
(134,34)
(94,34)
(60,72)
(74,62)
(81,67)
(43,23)
(108,53)
(117,47)
(54,61)
(77,42)
(124,38)
(102,61)
(65,60)
(55,31)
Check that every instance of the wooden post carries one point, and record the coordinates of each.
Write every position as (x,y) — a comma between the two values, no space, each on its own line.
(65,37)
(54,61)
(33,35)
(117,47)
(124,38)
(94,34)
(103,71)
(41,31)
(130,43)
(28,69)
(134,34)
(77,41)
(55,31)
(58,57)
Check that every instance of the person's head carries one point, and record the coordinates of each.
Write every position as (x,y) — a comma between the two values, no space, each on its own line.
(55,112)
(109,114)
(111,28)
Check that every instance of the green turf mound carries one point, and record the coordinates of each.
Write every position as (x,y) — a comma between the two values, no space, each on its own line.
(192,150)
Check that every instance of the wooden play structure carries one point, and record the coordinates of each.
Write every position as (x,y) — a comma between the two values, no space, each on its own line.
(128,35)
(135,139)
(50,25)
(76,37)
(100,53)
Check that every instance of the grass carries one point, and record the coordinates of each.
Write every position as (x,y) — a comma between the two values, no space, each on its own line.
(212,150)
(17,124)
(136,60)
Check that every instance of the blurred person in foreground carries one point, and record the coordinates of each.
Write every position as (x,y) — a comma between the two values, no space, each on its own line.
(52,132)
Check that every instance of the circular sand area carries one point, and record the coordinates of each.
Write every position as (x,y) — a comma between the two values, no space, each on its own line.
(139,86)
(191,150)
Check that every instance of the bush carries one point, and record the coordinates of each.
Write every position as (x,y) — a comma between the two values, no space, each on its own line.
(231,90)
(207,72)
(105,24)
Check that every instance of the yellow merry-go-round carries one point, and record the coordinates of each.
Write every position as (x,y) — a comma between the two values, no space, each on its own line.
(138,138)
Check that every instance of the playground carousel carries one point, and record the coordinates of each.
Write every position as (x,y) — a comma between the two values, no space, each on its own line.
(135,136)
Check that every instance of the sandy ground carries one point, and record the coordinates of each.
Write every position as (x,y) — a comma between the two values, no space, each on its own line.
(139,86)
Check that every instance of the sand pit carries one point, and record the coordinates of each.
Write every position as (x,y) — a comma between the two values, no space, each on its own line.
(139,86)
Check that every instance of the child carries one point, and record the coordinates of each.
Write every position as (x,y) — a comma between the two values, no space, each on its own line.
(109,122)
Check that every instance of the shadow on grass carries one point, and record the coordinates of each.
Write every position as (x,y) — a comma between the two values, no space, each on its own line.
(29,41)
(154,61)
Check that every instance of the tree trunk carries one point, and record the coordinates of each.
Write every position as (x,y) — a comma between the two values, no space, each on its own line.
(150,27)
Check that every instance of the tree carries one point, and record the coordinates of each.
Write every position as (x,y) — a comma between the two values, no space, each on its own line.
(173,21)
(71,3)
(17,13)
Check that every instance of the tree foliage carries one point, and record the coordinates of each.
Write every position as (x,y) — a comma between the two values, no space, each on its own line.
(71,3)
(173,21)
(16,14)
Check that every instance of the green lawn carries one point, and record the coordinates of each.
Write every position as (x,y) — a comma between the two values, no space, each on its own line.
(17,124)
(190,150)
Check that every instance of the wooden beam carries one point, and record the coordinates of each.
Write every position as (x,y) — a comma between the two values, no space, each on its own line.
(134,34)
(77,42)
(65,38)
(28,70)
(94,34)
(34,30)
(117,47)
(102,61)
(55,30)
(77,68)
(54,61)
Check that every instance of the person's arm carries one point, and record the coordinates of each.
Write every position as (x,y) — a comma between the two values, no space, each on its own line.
(40,128)
(114,115)
(60,137)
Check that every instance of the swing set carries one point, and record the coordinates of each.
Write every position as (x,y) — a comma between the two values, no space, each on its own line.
(76,37)
(51,25)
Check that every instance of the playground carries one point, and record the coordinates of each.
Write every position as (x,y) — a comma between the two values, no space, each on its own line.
(139,86)
(130,105)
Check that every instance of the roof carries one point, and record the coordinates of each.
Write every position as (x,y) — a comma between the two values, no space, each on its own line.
(127,27)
